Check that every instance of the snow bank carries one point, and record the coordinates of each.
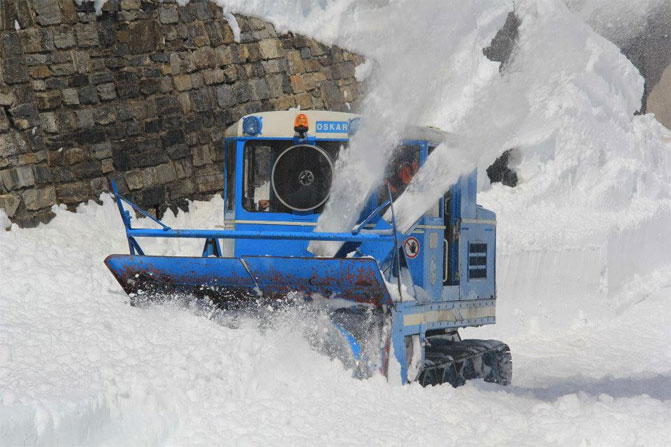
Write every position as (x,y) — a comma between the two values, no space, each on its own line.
(569,115)
(570,245)
(79,366)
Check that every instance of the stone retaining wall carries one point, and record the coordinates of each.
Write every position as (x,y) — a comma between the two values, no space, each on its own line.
(142,95)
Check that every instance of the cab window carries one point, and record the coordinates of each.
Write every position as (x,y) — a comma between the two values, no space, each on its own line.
(230,176)
(398,173)
(256,184)
(302,175)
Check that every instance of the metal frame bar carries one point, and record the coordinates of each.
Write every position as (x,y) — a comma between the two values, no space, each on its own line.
(357,228)
(167,232)
(270,235)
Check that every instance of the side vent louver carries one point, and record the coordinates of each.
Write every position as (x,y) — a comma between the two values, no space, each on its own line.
(477,261)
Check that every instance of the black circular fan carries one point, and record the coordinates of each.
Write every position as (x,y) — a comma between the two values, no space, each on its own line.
(301,177)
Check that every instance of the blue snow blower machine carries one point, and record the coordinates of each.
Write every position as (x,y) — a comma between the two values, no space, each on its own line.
(396,300)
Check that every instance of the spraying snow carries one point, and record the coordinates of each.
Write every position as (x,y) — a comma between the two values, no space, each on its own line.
(571,114)
(620,21)
(436,61)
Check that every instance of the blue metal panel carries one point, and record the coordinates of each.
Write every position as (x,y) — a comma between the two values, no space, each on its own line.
(416,264)
(451,293)
(433,262)
(455,218)
(355,279)
(469,189)
(427,267)
(398,342)
(280,247)
(232,279)
(485,214)
(240,174)
(225,278)
(226,155)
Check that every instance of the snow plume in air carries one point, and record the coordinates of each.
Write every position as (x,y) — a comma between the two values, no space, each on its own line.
(421,59)
(425,53)
(620,21)
(566,100)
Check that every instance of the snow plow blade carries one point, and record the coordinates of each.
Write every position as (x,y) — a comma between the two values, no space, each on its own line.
(234,281)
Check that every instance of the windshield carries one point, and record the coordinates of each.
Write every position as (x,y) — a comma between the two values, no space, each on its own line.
(398,173)
(285,177)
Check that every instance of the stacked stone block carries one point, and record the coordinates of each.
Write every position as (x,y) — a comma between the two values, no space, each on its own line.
(141,95)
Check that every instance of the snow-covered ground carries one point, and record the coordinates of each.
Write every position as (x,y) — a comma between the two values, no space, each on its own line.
(584,267)
(79,366)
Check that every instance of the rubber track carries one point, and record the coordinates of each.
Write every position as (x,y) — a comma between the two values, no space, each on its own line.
(455,362)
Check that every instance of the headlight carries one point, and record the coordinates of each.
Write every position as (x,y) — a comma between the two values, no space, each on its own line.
(251,125)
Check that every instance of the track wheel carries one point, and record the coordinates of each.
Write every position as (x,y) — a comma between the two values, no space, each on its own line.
(500,365)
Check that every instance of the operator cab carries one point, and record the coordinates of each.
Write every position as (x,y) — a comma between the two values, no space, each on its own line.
(283,177)
(287,174)
(279,170)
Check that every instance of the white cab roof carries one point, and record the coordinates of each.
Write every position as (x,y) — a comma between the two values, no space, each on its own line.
(323,124)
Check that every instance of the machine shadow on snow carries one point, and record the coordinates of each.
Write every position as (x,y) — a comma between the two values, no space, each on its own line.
(657,387)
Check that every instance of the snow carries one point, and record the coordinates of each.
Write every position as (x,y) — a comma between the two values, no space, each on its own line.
(428,48)
(584,272)
(620,21)
(98,4)
(79,366)
(4,220)
(233,23)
